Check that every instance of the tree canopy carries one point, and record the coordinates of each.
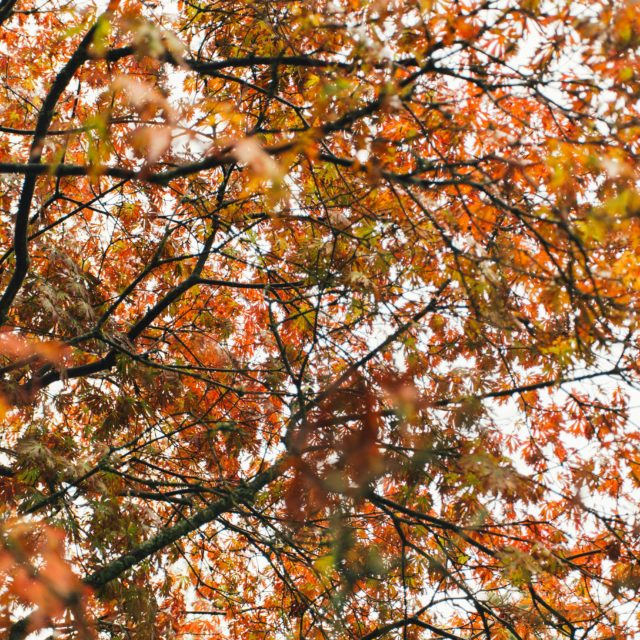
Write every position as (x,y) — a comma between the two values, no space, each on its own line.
(319,319)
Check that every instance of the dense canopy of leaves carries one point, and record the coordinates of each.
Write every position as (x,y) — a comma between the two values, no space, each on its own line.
(319,319)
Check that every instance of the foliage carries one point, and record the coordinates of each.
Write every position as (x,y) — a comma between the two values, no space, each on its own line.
(319,319)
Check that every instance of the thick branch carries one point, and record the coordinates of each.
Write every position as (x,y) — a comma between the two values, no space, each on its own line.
(6,9)
(166,537)
(20,242)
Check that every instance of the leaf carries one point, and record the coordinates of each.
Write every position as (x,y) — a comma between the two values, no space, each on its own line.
(249,152)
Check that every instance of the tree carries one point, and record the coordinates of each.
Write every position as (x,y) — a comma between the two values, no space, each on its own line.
(320,319)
